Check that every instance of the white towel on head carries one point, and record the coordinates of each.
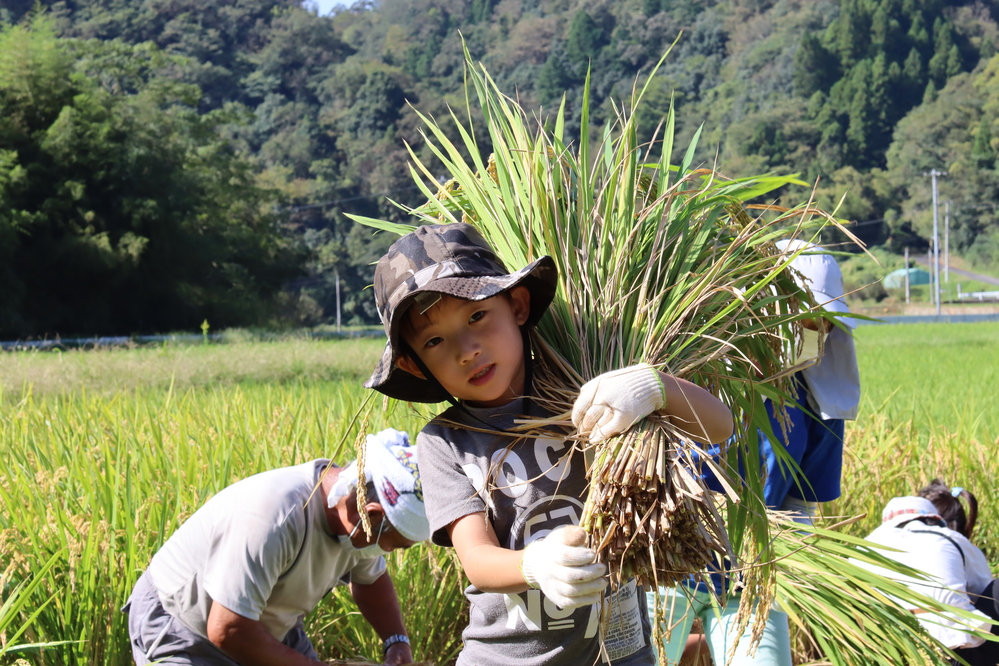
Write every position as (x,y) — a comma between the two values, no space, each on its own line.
(390,462)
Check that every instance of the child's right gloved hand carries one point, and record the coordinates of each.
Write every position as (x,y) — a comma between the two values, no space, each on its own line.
(564,569)
(610,403)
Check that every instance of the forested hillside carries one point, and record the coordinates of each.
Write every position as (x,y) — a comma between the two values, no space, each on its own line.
(167,161)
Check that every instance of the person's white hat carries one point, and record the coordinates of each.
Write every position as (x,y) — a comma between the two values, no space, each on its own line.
(901,510)
(822,274)
(390,462)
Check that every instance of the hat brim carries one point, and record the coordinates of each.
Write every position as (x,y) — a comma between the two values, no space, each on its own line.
(541,279)
(902,519)
(406,511)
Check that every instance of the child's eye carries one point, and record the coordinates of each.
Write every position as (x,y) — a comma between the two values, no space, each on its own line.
(477,316)
(433,342)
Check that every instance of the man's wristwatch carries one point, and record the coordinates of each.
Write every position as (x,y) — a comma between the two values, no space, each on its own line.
(392,640)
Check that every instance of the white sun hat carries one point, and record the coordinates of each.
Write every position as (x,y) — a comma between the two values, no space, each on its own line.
(901,510)
(821,273)
(390,462)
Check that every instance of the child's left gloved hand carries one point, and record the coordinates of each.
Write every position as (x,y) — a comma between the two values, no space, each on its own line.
(611,402)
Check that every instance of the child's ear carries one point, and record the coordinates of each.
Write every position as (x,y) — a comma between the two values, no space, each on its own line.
(520,301)
(406,364)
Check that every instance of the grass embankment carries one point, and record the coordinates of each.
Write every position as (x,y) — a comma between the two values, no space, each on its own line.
(103,454)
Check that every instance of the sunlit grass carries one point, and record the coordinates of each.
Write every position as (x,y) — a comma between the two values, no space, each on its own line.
(105,479)
(942,377)
(109,370)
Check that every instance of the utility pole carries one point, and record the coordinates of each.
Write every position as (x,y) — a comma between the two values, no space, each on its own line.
(337,281)
(934,174)
(929,264)
(947,241)
(906,274)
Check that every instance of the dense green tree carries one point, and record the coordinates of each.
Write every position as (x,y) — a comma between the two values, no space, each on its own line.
(298,52)
(585,40)
(378,105)
(480,10)
(131,212)
(815,67)
(557,76)
(940,135)
(311,114)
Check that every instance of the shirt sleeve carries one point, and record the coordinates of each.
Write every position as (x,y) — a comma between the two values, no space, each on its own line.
(448,492)
(368,570)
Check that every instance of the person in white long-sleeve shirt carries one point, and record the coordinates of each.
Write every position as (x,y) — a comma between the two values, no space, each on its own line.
(920,539)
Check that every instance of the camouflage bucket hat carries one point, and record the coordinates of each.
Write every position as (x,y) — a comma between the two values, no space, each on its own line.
(450,259)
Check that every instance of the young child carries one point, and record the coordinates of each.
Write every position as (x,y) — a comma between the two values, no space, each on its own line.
(457,326)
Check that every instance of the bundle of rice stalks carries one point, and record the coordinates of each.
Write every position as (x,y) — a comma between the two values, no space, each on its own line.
(658,263)
(843,611)
(675,266)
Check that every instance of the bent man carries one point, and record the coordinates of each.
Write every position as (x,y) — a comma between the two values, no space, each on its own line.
(232,585)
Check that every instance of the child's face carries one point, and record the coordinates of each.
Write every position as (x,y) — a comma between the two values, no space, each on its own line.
(473,348)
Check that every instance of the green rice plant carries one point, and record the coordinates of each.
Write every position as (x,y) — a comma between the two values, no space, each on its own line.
(173,448)
(663,263)
(820,568)
(938,376)
(430,582)
(14,602)
(888,458)
(100,482)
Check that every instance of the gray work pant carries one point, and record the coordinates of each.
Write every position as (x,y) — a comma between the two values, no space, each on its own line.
(157,636)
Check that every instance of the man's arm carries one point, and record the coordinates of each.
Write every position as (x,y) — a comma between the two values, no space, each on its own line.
(379,605)
(248,641)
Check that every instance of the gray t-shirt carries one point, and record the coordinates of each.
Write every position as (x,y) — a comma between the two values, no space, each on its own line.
(526,490)
(262,548)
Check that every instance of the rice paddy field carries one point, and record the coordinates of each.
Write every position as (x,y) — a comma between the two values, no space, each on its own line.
(104,453)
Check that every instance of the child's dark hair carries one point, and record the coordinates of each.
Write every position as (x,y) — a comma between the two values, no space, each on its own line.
(949,506)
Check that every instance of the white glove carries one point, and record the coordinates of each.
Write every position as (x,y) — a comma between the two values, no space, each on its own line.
(563,569)
(611,402)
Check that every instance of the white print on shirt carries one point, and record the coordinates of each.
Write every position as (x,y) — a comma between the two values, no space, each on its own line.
(526,609)
(536,521)
(512,476)
(531,609)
